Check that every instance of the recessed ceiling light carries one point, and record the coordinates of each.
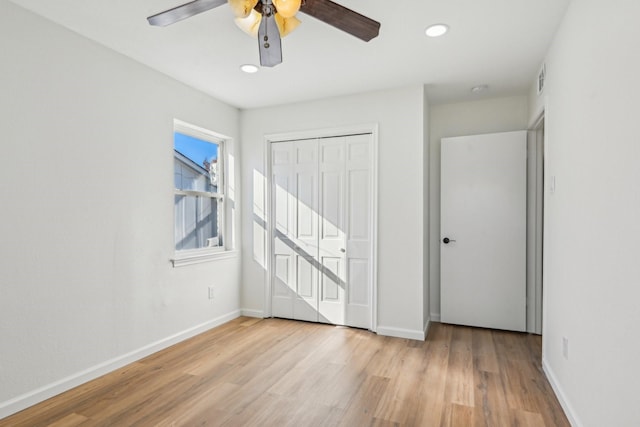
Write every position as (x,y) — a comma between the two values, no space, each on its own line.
(479,88)
(249,68)
(437,30)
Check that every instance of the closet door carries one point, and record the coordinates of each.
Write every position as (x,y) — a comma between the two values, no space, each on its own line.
(283,279)
(358,221)
(305,230)
(295,248)
(332,247)
(321,208)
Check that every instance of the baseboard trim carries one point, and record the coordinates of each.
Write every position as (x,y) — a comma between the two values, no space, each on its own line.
(562,398)
(426,328)
(411,334)
(435,317)
(252,313)
(41,394)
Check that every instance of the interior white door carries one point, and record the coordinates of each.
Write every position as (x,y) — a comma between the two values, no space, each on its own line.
(295,246)
(332,248)
(359,238)
(483,230)
(305,230)
(321,205)
(283,279)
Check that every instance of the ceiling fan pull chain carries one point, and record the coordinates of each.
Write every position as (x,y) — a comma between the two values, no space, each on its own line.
(267,11)
(269,42)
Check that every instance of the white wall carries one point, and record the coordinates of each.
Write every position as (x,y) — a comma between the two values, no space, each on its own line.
(86,186)
(401,266)
(459,119)
(592,226)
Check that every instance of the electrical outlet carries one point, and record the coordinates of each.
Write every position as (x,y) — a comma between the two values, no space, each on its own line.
(212,293)
(565,347)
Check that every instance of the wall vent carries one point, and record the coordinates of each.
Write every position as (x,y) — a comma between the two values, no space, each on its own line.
(541,78)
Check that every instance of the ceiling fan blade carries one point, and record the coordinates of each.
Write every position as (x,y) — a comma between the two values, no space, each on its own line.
(269,41)
(187,10)
(342,18)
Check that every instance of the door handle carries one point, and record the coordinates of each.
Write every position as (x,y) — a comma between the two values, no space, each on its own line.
(446,240)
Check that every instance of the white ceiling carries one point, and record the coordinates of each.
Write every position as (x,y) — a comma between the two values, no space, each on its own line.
(500,43)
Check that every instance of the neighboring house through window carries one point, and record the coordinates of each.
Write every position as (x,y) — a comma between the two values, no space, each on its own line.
(199,190)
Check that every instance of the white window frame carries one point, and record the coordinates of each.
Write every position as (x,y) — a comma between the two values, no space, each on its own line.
(196,256)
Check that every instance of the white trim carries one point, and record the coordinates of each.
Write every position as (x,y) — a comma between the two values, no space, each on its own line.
(435,317)
(531,230)
(374,230)
(197,256)
(412,334)
(323,133)
(268,310)
(41,394)
(427,324)
(252,313)
(538,120)
(198,194)
(369,128)
(535,224)
(198,132)
(562,397)
(538,114)
(540,208)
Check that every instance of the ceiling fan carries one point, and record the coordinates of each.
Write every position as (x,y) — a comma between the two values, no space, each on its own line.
(270,20)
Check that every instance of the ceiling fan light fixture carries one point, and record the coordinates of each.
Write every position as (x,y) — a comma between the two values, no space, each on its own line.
(286,25)
(437,30)
(250,24)
(242,8)
(287,8)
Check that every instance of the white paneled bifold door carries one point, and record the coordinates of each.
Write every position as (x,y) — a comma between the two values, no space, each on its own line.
(483,231)
(322,240)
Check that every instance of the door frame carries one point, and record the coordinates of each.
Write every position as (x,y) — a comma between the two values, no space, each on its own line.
(536,153)
(269,139)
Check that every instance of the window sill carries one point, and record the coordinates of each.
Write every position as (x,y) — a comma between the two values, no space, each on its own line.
(198,256)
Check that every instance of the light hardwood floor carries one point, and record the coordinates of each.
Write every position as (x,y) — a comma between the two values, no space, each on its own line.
(273,372)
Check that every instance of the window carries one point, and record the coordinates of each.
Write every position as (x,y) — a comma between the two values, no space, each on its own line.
(199,193)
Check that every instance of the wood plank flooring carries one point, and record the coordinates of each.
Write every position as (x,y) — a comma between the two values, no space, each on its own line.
(273,372)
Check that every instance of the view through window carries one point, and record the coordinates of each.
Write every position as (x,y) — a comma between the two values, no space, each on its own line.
(199,190)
